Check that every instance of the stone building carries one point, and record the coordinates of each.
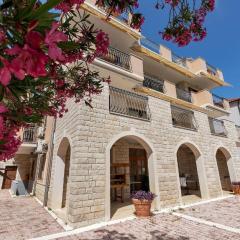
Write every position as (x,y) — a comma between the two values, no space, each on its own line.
(156,127)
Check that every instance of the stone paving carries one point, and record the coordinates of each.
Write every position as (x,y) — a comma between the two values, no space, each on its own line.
(23,218)
(226,212)
(159,227)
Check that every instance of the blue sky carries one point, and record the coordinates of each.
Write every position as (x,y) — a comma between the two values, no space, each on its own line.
(220,48)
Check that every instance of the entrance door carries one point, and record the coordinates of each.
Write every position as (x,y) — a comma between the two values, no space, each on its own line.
(138,170)
(10,174)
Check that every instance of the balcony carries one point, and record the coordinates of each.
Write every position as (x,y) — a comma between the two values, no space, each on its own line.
(125,103)
(118,58)
(217,127)
(218,101)
(179,60)
(211,70)
(184,95)
(154,83)
(29,134)
(183,118)
(146,43)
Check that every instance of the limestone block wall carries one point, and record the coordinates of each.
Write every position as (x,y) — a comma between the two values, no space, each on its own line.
(92,131)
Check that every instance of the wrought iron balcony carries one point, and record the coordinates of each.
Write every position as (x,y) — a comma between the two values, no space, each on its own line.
(30,134)
(184,95)
(179,60)
(127,103)
(183,118)
(238,131)
(154,47)
(153,83)
(211,70)
(217,127)
(118,58)
(218,101)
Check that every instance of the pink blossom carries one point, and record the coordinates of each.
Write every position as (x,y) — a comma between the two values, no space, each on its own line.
(102,43)
(54,36)
(66,5)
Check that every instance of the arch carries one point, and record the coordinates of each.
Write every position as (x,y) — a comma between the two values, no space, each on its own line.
(200,167)
(225,167)
(61,173)
(151,156)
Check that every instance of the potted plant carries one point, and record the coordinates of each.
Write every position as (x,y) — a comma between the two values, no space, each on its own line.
(142,201)
(236,187)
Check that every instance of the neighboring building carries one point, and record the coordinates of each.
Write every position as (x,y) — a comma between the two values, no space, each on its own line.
(155,127)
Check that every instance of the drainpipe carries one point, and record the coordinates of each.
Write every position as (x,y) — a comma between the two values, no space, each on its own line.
(49,164)
(239,106)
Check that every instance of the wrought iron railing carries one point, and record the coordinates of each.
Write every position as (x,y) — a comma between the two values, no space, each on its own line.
(183,118)
(150,45)
(124,17)
(179,60)
(118,58)
(30,134)
(217,127)
(211,70)
(218,101)
(184,95)
(154,83)
(127,103)
(238,131)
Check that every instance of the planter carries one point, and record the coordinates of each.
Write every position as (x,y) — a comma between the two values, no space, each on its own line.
(142,207)
(236,188)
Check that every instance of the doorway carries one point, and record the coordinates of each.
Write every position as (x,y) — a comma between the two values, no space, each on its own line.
(9,176)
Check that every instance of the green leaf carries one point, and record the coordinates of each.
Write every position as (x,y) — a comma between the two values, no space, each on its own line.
(44,9)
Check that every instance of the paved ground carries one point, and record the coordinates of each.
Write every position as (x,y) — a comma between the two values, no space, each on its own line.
(23,218)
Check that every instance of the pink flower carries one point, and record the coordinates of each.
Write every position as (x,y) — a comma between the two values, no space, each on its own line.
(102,43)
(66,5)
(53,37)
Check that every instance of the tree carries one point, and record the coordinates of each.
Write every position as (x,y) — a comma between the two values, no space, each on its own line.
(46,49)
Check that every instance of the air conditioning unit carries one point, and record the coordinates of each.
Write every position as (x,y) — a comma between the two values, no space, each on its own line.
(40,132)
(42,146)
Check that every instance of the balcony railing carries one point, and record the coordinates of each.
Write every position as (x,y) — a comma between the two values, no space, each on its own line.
(217,127)
(29,134)
(118,58)
(127,103)
(211,70)
(238,131)
(183,118)
(218,101)
(179,60)
(184,95)
(153,83)
(154,47)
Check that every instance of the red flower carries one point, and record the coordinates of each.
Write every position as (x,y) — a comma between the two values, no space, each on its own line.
(53,37)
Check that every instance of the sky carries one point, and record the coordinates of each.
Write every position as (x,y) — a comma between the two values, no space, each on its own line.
(221,47)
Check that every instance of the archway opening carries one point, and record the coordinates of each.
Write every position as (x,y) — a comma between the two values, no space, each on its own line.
(129,172)
(61,179)
(223,158)
(187,157)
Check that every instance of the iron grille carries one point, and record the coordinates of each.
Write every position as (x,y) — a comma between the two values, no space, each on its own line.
(153,83)
(184,95)
(183,118)
(179,60)
(127,103)
(118,58)
(217,127)
(29,134)
(218,101)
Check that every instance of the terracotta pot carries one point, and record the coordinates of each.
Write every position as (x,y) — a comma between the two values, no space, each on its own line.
(236,189)
(142,207)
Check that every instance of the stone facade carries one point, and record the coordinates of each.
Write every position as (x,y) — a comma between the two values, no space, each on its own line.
(91,132)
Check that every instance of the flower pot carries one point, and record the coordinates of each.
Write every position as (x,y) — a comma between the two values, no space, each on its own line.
(236,189)
(142,207)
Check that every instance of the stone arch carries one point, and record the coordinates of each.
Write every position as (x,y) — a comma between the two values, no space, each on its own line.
(61,174)
(224,160)
(151,156)
(199,165)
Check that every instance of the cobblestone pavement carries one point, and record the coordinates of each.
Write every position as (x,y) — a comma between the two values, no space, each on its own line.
(23,218)
(159,227)
(226,212)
